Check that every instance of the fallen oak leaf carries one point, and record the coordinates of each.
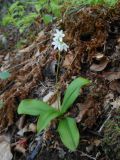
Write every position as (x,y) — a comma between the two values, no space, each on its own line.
(89,112)
(69,58)
(83,111)
(101,66)
(111,76)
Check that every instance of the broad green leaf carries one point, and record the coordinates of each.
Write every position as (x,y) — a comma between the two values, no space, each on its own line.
(45,119)
(72,92)
(34,107)
(4,75)
(69,133)
(47,18)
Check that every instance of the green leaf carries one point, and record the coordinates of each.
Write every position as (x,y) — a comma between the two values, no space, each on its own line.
(7,19)
(47,18)
(56,9)
(69,133)
(34,107)
(72,92)
(45,119)
(4,75)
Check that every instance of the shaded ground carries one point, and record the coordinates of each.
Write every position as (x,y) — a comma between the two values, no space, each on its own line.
(93,35)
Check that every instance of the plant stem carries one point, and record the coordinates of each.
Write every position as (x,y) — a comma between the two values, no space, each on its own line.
(57,75)
(58,66)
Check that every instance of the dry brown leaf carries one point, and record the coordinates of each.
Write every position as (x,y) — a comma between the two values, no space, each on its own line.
(48,96)
(68,60)
(99,56)
(32,127)
(53,99)
(115,86)
(101,66)
(20,122)
(5,150)
(28,128)
(89,112)
(21,146)
(26,78)
(116,103)
(27,49)
(97,142)
(112,76)
(20,149)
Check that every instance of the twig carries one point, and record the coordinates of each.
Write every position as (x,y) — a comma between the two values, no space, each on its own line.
(7,86)
(27,49)
(95,133)
(43,85)
(101,128)
(18,65)
(86,155)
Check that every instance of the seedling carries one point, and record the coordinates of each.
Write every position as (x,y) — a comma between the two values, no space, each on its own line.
(4,75)
(67,127)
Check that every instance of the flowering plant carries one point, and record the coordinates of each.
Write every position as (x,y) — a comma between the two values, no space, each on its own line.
(67,127)
(58,41)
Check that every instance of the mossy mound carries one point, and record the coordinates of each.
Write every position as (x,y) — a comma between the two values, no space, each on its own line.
(111,140)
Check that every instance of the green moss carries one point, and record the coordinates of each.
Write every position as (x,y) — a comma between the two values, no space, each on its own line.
(111,140)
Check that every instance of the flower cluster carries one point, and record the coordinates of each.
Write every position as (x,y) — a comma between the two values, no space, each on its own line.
(58,41)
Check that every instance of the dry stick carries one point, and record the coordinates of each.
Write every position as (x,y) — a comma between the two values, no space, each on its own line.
(86,155)
(74,58)
(101,128)
(21,122)
(18,65)
(109,116)
(6,87)
(3,130)
(95,133)
(28,49)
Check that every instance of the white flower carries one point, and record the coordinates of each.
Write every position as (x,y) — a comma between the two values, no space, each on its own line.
(59,35)
(58,41)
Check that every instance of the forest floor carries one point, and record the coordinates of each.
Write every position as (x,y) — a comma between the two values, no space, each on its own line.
(93,36)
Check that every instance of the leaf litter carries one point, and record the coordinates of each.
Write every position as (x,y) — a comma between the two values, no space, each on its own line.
(93,36)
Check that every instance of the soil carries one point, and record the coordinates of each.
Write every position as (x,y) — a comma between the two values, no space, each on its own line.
(93,36)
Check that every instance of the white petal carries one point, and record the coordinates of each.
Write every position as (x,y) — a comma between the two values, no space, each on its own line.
(60,39)
(57,31)
(61,32)
(65,46)
(56,39)
(55,47)
(56,35)
(59,47)
(53,43)
(65,49)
